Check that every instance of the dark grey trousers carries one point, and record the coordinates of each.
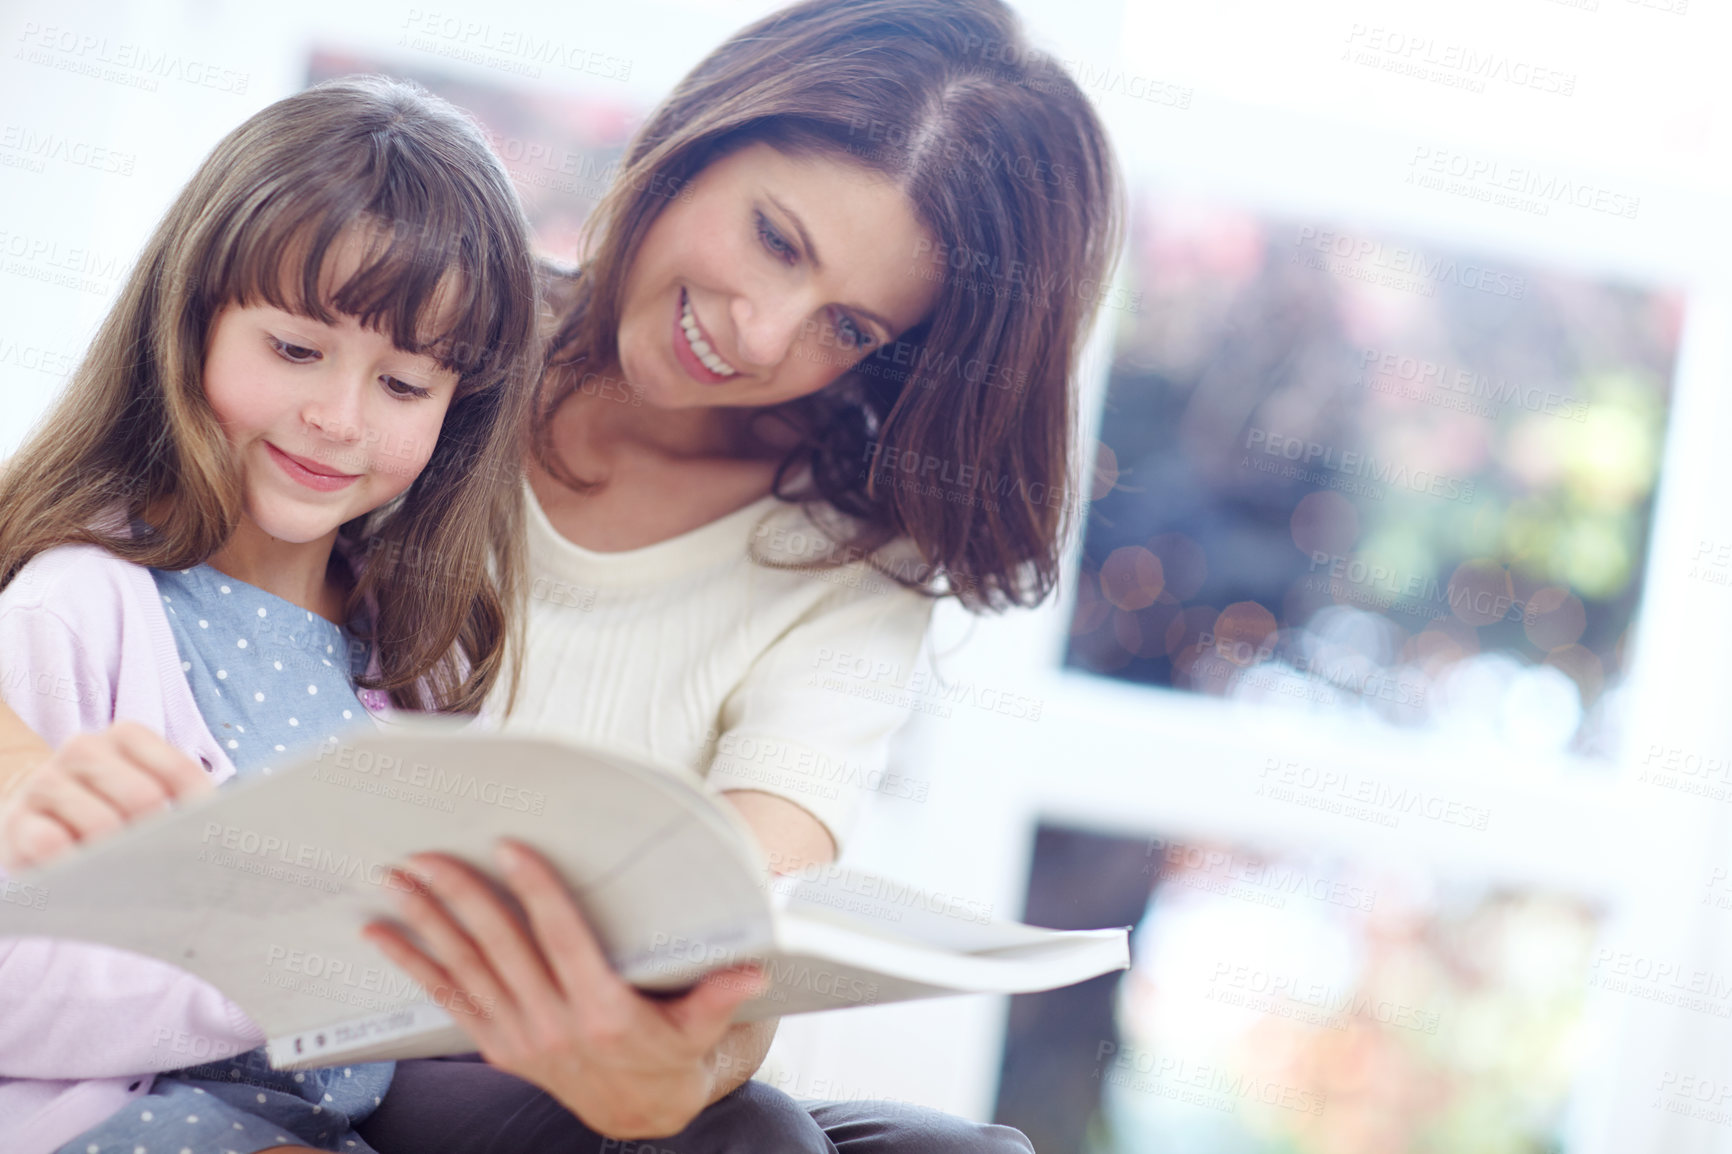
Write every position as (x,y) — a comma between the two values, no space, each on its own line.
(461,1105)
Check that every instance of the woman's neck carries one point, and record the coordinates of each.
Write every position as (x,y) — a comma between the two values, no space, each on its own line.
(685,434)
(598,430)
(298,573)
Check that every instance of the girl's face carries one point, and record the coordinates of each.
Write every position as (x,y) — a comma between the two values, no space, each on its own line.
(329,421)
(773,276)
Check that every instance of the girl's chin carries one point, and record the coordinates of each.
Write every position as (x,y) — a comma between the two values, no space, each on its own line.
(294,527)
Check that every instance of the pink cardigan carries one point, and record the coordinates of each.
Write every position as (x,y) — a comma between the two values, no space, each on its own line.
(84,642)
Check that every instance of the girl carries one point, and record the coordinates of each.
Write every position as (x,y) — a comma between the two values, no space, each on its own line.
(862,235)
(319,367)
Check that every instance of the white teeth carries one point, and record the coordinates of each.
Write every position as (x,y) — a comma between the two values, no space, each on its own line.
(706,355)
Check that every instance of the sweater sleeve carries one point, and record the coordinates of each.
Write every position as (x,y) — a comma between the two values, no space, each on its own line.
(812,719)
(77,1010)
(73,1009)
(49,679)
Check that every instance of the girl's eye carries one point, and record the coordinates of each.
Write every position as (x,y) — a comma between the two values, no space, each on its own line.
(297,354)
(404,390)
(773,241)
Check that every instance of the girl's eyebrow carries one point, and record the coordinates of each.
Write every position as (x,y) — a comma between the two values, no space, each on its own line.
(812,253)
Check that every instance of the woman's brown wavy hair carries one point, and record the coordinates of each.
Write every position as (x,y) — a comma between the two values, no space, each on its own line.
(1007,166)
(442,237)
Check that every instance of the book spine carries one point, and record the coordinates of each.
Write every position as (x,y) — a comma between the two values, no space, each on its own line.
(328,1044)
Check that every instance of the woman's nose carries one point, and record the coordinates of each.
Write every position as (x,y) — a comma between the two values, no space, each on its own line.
(767,325)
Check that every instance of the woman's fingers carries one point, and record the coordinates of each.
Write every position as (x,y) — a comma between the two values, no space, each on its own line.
(552,971)
(579,966)
(586,977)
(460,961)
(429,975)
(706,1013)
(504,942)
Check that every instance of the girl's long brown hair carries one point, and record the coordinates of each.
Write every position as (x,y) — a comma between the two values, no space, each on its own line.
(443,236)
(1007,165)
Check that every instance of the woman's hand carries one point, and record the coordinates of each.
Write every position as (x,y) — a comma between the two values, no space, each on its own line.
(93,785)
(542,1002)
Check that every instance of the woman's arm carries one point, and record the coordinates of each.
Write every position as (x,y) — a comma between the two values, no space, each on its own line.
(790,836)
(791,839)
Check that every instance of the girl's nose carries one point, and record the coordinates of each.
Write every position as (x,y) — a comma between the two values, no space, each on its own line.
(334,412)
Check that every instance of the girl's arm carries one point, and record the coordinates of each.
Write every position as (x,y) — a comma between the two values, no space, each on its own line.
(70,769)
(72,1009)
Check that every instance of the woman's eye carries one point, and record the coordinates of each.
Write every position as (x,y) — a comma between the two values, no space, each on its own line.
(774,242)
(851,335)
(404,389)
(298,354)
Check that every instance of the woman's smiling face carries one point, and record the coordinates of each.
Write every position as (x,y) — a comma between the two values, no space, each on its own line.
(768,278)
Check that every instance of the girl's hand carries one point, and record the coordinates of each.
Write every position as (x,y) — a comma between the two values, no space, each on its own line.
(91,786)
(546,1006)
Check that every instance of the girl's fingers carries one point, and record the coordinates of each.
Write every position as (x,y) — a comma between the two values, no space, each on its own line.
(103,766)
(31,839)
(133,768)
(179,775)
(84,809)
(584,975)
(503,946)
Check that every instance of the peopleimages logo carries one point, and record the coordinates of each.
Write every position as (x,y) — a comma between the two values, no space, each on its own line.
(1360,466)
(1459,388)
(1363,798)
(1215,1087)
(1339,252)
(1414,593)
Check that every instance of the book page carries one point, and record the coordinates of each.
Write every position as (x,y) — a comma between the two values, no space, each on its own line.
(262,888)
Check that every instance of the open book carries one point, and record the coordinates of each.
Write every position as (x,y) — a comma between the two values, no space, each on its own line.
(262,888)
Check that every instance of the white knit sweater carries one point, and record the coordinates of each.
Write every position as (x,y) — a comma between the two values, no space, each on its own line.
(691,653)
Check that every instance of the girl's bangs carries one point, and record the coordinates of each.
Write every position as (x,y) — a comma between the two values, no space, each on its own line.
(417,281)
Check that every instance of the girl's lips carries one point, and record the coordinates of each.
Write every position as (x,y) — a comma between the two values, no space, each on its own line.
(310,473)
(683,350)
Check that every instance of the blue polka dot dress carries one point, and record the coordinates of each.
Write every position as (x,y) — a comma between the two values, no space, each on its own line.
(272,682)
(271,679)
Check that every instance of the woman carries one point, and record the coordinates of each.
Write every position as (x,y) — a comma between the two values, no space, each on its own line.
(862,235)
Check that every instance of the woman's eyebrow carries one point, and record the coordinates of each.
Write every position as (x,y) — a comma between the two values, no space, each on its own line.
(799,227)
(812,254)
